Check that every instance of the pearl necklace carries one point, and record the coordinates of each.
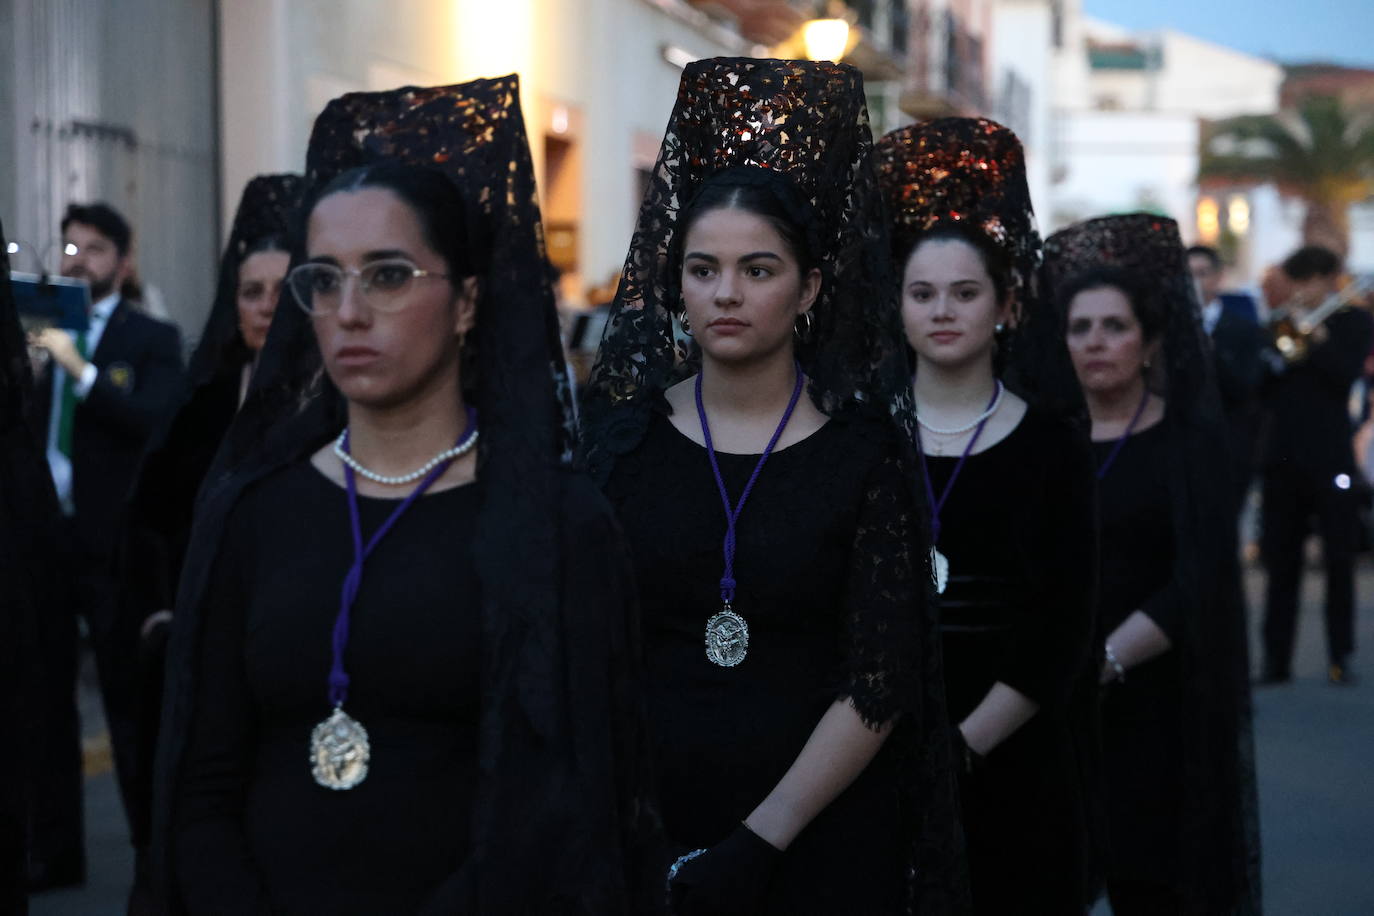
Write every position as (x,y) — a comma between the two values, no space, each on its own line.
(992,409)
(462,448)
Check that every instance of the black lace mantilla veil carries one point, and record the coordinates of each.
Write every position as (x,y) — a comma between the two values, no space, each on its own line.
(808,122)
(31,593)
(267,209)
(1219,849)
(560,708)
(973,171)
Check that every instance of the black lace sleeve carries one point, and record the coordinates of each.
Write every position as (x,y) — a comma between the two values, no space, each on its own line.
(883,596)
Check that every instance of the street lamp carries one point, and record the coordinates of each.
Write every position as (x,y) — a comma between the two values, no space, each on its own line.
(1208,220)
(1238,215)
(826,39)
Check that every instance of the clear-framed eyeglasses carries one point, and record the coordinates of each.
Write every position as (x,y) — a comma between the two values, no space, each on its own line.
(384,286)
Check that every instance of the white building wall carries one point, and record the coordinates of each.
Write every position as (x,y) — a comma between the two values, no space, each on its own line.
(113,100)
(1022,43)
(1072,78)
(1120,161)
(599,62)
(1361,256)
(1212,81)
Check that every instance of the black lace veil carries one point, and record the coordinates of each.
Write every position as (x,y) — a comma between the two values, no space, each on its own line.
(1219,848)
(803,129)
(549,709)
(971,172)
(267,210)
(807,122)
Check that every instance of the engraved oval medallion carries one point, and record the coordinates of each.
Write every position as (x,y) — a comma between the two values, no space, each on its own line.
(727,639)
(339,751)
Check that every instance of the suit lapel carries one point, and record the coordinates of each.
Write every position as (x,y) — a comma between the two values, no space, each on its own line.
(112,337)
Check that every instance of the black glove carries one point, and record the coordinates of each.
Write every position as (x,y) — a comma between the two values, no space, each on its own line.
(729,879)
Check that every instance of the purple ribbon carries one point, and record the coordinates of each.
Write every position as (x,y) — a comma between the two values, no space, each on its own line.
(727,579)
(937,505)
(338,677)
(1121,443)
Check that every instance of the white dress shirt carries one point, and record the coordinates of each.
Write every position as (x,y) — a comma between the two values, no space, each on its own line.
(1211,314)
(59,464)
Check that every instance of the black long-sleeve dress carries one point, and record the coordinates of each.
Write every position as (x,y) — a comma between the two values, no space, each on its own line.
(1142,728)
(1018,530)
(457,780)
(252,826)
(829,591)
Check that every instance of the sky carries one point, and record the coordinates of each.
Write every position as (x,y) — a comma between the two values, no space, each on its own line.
(1290,31)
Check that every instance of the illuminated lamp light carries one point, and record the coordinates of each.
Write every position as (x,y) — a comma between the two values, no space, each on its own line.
(1238,214)
(825,39)
(1208,219)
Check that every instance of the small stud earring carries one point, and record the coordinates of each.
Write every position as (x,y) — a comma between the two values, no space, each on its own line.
(999,328)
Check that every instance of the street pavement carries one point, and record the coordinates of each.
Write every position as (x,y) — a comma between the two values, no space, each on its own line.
(1315,749)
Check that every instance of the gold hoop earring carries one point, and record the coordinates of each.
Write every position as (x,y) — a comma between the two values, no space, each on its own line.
(686,326)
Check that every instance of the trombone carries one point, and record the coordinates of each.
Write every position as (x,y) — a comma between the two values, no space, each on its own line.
(1292,328)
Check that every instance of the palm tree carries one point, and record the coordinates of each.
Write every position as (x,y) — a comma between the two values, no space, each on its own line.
(1321,152)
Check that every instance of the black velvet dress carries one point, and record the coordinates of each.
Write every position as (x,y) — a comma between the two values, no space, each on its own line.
(1142,731)
(827,588)
(254,832)
(1019,534)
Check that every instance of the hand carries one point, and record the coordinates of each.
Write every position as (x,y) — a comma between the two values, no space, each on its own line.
(729,879)
(62,347)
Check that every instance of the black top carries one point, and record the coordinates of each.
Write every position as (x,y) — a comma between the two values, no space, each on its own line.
(163,503)
(826,585)
(1018,532)
(1310,424)
(253,828)
(1142,724)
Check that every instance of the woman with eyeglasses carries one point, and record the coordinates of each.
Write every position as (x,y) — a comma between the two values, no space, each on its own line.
(403,675)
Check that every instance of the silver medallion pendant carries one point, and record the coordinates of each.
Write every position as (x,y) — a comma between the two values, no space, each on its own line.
(339,751)
(939,570)
(727,638)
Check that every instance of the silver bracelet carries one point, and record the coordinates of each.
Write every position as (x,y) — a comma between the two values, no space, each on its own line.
(1114,663)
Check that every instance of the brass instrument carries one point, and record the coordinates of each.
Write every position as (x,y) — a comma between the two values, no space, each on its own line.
(1292,328)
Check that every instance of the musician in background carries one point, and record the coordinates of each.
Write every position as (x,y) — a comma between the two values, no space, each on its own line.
(1232,323)
(1309,470)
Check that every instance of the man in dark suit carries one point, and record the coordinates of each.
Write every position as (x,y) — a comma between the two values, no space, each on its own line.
(102,395)
(1310,472)
(1232,322)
